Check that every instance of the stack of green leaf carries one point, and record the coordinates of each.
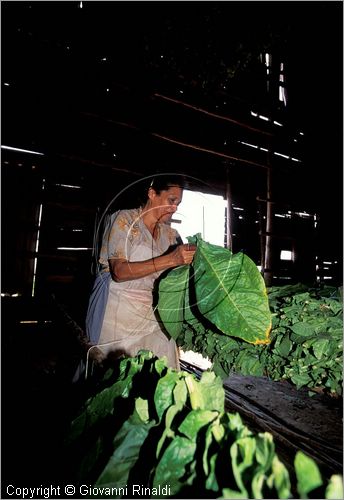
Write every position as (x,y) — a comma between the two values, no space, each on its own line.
(153,428)
(220,308)
(307,337)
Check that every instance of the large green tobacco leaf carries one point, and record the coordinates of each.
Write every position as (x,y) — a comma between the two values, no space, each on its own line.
(227,290)
(172,290)
(231,293)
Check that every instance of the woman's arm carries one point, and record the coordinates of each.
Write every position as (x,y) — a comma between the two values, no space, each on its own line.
(123,270)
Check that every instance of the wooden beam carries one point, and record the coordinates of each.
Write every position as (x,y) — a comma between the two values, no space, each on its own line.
(180,143)
(214,115)
(210,151)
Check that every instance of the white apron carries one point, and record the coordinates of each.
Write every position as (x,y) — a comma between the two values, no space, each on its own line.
(129,322)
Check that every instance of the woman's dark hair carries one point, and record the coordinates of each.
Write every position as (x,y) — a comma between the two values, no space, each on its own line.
(163,182)
(160,182)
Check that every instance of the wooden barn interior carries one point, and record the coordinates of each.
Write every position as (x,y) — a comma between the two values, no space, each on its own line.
(242,98)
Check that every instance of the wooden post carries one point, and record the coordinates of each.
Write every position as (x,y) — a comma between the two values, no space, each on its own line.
(268,261)
(261,210)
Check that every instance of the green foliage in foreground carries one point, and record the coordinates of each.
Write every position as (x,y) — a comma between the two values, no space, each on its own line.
(149,425)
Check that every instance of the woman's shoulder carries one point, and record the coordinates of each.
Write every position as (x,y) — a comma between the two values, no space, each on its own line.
(126,218)
(128,214)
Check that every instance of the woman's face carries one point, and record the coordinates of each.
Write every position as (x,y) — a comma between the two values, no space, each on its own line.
(165,204)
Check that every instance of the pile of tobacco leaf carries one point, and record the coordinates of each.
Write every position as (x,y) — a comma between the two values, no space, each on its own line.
(306,345)
(149,428)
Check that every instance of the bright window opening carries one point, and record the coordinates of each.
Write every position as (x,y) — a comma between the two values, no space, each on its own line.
(201,213)
(286,255)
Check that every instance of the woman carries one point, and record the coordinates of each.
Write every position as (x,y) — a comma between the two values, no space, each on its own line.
(138,244)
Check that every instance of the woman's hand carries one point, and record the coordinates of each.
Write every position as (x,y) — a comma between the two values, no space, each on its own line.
(183,254)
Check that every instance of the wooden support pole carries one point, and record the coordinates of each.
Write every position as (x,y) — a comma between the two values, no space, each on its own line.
(268,258)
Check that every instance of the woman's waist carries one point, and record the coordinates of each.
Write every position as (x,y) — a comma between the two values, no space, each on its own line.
(140,288)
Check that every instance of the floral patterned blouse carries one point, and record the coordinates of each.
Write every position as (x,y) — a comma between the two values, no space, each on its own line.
(127,237)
